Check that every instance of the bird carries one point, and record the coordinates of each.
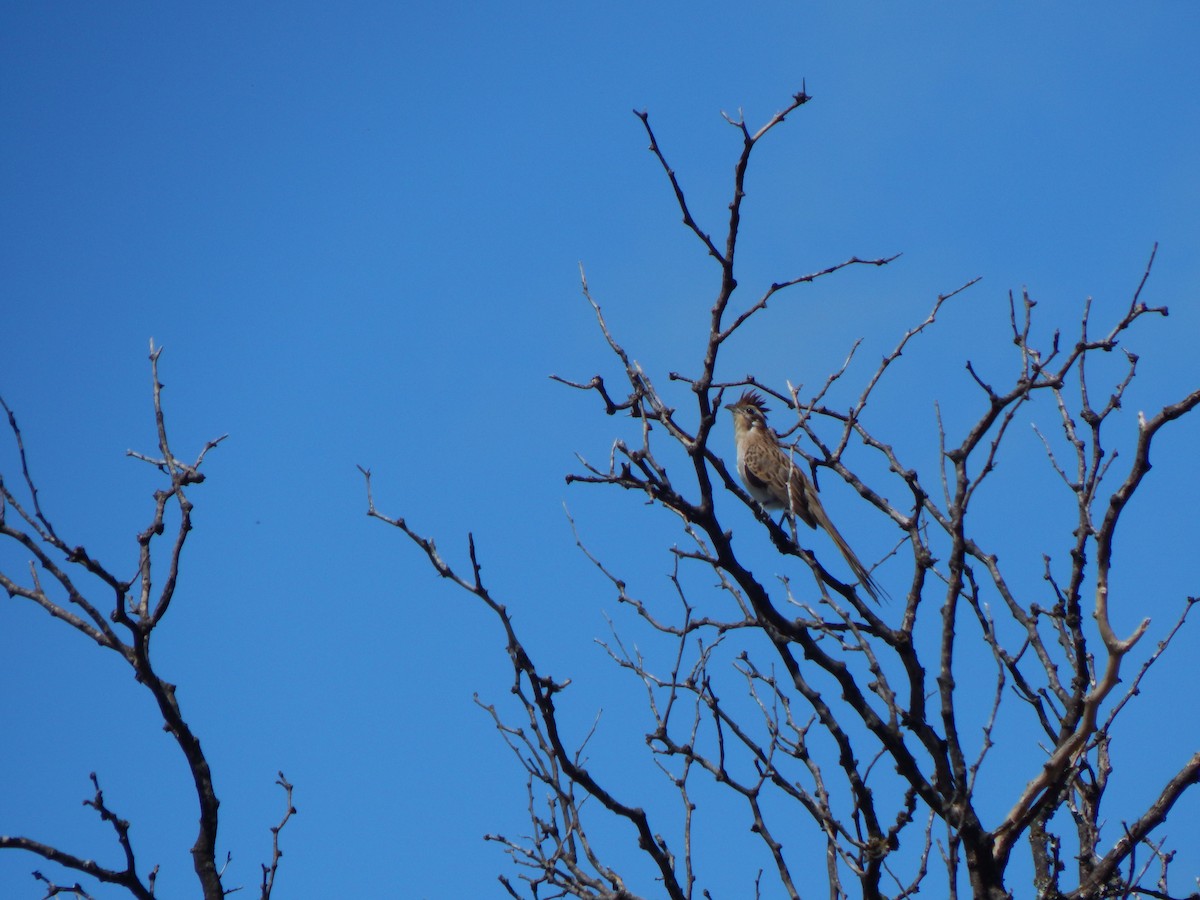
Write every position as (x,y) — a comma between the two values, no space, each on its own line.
(776,482)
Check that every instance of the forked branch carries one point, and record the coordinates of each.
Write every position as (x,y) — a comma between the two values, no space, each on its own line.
(54,582)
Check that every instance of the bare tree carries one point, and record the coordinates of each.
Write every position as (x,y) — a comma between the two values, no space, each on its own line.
(124,623)
(853,724)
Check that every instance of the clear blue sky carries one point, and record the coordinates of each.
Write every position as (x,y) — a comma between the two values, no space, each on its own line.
(356,229)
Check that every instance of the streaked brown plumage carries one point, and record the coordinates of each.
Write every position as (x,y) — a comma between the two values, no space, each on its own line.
(773,479)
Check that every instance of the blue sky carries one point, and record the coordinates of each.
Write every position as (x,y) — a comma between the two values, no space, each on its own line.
(356,230)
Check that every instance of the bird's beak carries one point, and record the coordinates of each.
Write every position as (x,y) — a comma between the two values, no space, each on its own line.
(729,406)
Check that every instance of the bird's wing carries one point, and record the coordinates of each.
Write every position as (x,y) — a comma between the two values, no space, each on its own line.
(766,470)
(805,502)
(764,467)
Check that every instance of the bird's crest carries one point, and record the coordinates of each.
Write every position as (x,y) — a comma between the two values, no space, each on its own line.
(755,399)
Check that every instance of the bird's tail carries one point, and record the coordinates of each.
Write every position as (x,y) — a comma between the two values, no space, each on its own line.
(860,571)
